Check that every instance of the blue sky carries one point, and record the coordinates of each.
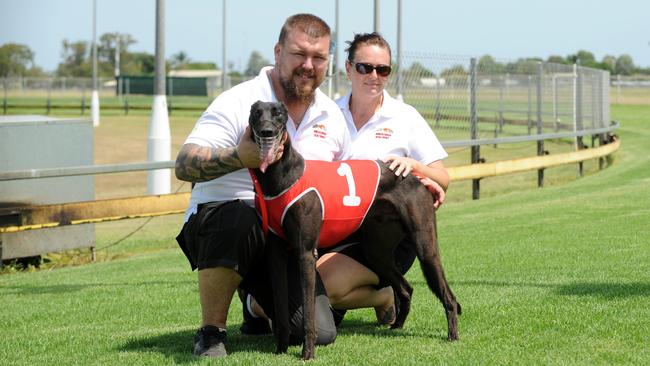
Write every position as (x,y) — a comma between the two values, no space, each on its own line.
(506,29)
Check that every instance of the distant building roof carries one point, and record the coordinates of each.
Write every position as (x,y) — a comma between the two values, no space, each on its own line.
(195,73)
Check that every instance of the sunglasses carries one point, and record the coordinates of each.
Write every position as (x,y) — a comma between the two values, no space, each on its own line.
(364,68)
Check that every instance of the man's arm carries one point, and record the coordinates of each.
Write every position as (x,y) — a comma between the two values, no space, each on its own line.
(196,163)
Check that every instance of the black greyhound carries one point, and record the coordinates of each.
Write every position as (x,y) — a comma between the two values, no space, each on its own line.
(402,206)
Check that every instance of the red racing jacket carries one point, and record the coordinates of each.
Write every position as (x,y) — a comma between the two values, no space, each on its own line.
(346,190)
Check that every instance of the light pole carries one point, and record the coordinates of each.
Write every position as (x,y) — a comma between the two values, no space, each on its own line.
(400,96)
(94,99)
(224,63)
(336,51)
(159,147)
(376,19)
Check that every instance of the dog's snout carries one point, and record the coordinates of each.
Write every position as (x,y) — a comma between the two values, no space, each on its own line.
(266,132)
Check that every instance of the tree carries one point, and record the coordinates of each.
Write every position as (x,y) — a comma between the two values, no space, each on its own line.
(583,58)
(14,59)
(255,64)
(108,46)
(75,59)
(487,64)
(418,71)
(180,60)
(609,63)
(556,59)
(523,66)
(141,63)
(625,65)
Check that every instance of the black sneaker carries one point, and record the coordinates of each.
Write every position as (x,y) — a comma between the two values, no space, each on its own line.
(208,342)
(251,325)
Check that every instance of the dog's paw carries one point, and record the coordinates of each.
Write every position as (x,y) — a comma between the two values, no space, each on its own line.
(280,349)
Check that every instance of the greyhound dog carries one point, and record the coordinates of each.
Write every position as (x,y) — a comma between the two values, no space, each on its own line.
(399,206)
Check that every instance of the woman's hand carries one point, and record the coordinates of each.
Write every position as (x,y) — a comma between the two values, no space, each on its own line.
(400,165)
(435,189)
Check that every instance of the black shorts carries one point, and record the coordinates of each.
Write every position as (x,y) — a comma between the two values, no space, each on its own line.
(223,234)
(229,234)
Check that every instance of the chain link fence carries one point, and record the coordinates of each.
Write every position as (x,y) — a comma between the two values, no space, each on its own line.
(630,89)
(464,99)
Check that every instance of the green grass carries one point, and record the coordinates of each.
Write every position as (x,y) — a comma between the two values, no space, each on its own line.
(559,275)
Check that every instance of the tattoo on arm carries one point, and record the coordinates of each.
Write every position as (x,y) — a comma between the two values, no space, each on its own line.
(196,163)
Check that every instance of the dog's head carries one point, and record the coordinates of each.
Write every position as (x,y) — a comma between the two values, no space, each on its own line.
(268,123)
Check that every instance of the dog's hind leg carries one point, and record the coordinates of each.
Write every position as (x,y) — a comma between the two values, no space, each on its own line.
(429,255)
(382,232)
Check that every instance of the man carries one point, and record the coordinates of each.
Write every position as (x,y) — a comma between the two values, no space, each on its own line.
(222,236)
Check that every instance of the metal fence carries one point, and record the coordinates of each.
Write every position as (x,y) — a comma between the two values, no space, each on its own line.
(630,89)
(467,101)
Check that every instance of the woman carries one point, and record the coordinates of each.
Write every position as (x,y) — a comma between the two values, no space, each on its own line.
(381,128)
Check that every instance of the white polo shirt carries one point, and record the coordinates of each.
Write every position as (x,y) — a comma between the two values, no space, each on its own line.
(397,129)
(321,135)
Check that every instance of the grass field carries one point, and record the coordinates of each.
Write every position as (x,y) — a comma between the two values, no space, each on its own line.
(559,275)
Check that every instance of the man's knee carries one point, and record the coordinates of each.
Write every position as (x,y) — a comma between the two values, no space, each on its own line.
(325,327)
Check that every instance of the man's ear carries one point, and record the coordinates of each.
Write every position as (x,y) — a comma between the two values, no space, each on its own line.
(276,52)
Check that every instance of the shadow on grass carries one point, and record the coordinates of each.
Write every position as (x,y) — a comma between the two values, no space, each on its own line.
(608,291)
(359,327)
(65,288)
(177,346)
(605,290)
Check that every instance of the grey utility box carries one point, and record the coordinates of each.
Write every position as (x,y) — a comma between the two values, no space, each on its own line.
(39,142)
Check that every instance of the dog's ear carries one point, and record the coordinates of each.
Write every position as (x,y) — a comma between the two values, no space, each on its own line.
(255,107)
(283,110)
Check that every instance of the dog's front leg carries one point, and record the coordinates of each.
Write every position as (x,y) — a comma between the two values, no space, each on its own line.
(308,274)
(302,226)
(277,263)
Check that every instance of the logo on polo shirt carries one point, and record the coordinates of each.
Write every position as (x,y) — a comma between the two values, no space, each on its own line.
(320,131)
(383,133)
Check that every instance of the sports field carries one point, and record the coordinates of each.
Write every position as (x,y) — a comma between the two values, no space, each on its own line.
(559,275)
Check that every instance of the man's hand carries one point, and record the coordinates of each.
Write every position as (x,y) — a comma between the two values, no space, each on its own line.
(247,151)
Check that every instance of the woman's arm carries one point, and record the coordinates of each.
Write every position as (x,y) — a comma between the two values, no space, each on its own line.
(435,171)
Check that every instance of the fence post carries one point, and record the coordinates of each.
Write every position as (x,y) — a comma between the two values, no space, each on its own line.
(618,88)
(530,103)
(4,100)
(83,97)
(49,95)
(473,127)
(171,95)
(126,97)
(540,143)
(604,99)
(578,123)
(438,80)
(501,89)
(554,89)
